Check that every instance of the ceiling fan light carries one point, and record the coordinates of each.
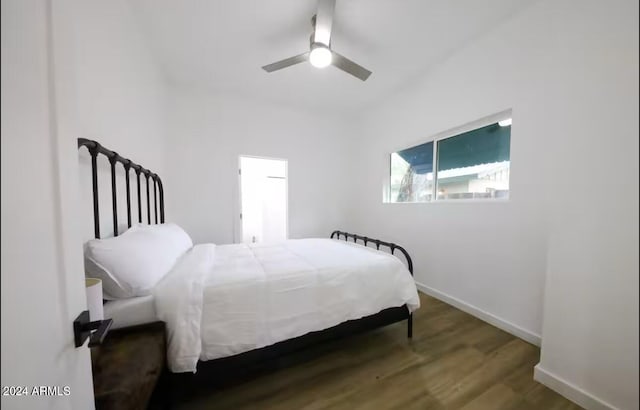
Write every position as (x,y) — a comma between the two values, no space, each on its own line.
(320,56)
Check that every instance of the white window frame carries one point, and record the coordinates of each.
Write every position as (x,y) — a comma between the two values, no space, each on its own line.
(452,132)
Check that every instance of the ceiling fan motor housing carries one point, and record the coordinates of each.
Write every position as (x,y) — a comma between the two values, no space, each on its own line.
(313,44)
(320,54)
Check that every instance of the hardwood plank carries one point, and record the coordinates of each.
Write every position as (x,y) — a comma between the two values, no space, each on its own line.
(497,397)
(496,366)
(420,380)
(544,398)
(487,338)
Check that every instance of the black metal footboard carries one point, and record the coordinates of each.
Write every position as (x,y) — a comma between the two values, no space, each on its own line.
(392,247)
(378,243)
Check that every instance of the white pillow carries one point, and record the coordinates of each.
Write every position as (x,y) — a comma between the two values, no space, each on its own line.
(171,233)
(131,264)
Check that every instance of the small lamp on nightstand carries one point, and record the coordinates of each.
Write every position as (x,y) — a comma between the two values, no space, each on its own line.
(90,323)
(94,298)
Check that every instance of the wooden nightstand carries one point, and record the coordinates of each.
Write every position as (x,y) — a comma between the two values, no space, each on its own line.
(128,366)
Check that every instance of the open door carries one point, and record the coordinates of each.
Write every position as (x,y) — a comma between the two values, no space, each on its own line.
(263,199)
(42,270)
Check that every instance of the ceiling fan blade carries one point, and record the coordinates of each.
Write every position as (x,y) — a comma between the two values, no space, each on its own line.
(324,21)
(350,67)
(279,65)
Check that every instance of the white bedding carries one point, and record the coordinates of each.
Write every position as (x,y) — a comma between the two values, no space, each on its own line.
(130,311)
(223,300)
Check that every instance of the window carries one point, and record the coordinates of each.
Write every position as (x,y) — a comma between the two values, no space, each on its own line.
(469,165)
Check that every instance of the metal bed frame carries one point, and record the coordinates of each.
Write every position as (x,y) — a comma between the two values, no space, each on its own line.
(95,149)
(213,369)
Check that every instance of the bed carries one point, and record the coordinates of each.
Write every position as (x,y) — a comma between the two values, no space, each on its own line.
(226,306)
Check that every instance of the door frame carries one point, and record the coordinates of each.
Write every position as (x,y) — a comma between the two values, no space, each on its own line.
(238,237)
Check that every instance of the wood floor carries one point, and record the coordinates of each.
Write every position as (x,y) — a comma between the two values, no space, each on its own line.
(454,361)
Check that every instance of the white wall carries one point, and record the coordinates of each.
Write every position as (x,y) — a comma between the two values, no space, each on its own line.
(122,96)
(569,71)
(42,276)
(590,332)
(490,256)
(208,134)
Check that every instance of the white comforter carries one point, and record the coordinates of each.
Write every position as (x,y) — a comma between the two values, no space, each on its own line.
(223,300)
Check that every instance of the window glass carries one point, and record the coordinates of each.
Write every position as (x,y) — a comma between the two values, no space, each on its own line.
(412,174)
(475,164)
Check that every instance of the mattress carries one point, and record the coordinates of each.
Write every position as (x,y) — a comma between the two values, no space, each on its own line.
(224,300)
(130,311)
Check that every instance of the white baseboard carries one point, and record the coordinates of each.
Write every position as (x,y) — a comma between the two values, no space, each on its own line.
(568,390)
(509,327)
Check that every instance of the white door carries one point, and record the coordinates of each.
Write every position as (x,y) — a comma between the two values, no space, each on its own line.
(263,204)
(42,271)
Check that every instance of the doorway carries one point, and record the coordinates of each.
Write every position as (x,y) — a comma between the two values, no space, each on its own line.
(263,199)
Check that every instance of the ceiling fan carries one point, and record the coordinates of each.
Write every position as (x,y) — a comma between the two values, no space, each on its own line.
(320,54)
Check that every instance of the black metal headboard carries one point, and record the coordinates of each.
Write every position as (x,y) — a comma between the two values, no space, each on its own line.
(94,149)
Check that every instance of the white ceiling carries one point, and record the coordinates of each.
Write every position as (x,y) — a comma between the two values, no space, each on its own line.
(221,45)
